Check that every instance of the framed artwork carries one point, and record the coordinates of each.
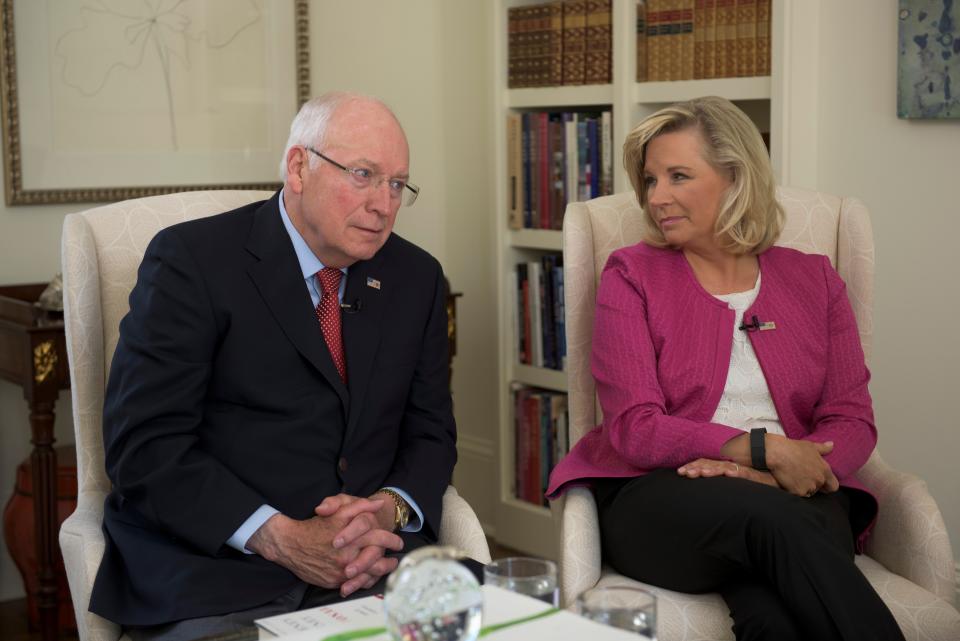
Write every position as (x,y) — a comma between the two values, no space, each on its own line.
(105,100)
(928,74)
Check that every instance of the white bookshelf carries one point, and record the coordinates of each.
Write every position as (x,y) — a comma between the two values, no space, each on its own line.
(783,104)
(546,239)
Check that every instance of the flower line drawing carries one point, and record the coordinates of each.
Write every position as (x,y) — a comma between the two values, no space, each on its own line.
(117,35)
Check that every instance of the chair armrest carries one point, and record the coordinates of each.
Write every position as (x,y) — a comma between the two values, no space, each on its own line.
(82,544)
(460,527)
(909,537)
(579,544)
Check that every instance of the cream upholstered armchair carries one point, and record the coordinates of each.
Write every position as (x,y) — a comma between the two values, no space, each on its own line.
(909,561)
(102,249)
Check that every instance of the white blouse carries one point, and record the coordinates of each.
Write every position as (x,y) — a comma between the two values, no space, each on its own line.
(746,402)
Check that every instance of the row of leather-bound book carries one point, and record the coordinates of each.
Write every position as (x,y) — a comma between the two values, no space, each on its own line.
(694,39)
(565,42)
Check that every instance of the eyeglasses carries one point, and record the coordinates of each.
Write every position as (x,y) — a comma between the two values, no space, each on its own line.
(363,179)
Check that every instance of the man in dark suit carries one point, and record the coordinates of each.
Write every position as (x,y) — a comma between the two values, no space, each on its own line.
(278,408)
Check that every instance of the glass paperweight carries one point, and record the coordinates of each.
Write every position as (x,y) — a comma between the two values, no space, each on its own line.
(431,597)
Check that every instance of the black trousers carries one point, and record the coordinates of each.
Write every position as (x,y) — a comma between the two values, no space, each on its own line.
(783,564)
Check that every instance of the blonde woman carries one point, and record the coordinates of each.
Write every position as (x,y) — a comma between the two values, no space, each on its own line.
(734,395)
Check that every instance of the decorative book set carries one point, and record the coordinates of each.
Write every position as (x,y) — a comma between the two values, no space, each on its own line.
(565,42)
(554,158)
(695,39)
(541,440)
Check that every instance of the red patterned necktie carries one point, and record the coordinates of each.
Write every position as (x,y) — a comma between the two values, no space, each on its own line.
(328,312)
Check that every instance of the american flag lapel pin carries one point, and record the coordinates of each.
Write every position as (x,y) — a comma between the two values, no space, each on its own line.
(373,282)
(767,325)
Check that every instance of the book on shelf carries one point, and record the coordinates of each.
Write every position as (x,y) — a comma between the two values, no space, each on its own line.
(598,69)
(558,170)
(553,45)
(668,24)
(726,38)
(542,154)
(564,42)
(658,19)
(523,333)
(606,158)
(541,438)
(514,47)
(699,17)
(514,170)
(554,158)
(574,41)
(539,313)
(571,175)
(763,38)
(696,39)
(641,35)
(533,307)
(521,33)
(674,41)
(746,38)
(709,24)
(685,40)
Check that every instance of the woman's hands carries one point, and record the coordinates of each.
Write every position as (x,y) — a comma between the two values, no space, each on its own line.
(705,467)
(797,466)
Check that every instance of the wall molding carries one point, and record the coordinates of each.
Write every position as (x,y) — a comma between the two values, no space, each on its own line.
(481,448)
(795,92)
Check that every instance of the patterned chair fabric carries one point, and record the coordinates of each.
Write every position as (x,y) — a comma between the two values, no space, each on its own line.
(102,249)
(909,561)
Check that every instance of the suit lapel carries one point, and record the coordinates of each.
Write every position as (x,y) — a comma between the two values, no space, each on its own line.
(366,283)
(279,279)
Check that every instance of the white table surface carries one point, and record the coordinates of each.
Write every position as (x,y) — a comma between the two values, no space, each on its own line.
(501,605)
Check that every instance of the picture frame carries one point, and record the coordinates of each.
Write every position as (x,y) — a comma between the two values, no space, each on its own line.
(928,56)
(104,101)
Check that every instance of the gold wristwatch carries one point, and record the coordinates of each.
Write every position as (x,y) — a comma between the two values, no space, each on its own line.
(401,513)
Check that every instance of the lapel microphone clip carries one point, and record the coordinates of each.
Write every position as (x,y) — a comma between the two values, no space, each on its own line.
(756,325)
(351,308)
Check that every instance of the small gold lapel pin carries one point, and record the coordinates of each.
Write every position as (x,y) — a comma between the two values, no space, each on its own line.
(767,325)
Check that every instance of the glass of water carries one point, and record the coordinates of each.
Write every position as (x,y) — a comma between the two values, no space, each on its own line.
(529,576)
(627,608)
(432,597)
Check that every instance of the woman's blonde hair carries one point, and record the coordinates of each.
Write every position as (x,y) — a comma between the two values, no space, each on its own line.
(750,218)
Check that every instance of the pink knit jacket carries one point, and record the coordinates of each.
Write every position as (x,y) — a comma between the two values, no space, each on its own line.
(661,351)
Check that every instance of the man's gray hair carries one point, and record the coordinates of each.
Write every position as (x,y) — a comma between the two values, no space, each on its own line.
(309,127)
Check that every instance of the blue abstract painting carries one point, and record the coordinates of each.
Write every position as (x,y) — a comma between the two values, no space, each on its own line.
(928,79)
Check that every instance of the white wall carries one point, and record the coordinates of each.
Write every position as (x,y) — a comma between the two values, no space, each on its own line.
(907,172)
(429,60)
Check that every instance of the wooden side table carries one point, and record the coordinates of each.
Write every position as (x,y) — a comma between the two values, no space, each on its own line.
(451,329)
(33,354)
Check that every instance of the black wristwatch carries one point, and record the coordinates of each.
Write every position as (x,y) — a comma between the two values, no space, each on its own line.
(758,449)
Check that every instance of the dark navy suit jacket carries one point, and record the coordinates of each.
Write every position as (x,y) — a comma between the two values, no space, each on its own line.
(222,396)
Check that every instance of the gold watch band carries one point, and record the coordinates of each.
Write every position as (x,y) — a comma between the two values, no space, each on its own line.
(401,514)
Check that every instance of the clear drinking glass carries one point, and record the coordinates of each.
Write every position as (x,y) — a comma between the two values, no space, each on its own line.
(627,608)
(524,575)
(431,597)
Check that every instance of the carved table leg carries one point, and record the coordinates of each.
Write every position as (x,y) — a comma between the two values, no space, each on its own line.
(43,464)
